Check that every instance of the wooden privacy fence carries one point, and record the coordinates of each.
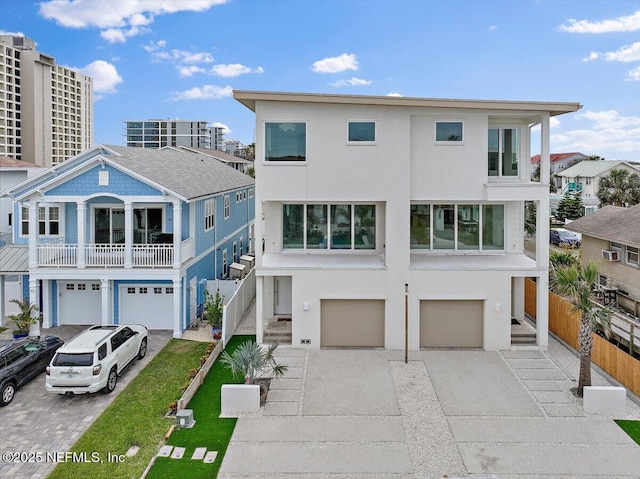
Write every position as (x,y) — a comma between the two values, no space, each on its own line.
(565,324)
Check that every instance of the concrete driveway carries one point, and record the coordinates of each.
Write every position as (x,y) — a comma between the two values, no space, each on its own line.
(38,421)
(366,414)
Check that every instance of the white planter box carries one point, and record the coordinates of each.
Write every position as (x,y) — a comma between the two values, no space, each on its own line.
(605,400)
(238,398)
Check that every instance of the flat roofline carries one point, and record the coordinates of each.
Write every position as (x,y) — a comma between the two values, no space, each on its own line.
(248,98)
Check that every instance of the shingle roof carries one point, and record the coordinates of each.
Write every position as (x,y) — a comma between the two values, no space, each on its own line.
(611,223)
(14,259)
(217,154)
(555,157)
(6,162)
(190,175)
(592,168)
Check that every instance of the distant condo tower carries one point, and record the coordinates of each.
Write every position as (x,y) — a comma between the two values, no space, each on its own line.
(156,133)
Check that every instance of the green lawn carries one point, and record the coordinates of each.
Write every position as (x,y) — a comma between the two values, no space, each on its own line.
(210,431)
(136,417)
(632,428)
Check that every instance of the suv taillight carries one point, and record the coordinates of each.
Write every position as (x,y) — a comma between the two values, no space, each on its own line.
(96,369)
(48,370)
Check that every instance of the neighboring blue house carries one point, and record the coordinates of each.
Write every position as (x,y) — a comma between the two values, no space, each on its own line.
(126,235)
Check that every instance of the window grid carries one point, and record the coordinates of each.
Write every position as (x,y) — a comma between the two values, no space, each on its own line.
(227,206)
(209,214)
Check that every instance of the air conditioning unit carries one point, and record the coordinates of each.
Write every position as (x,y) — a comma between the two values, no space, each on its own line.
(610,255)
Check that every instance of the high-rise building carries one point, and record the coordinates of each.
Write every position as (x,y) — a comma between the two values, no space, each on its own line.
(217,138)
(46,110)
(234,147)
(159,133)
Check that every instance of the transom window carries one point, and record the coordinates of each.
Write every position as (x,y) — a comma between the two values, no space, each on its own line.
(209,214)
(457,227)
(362,131)
(285,141)
(329,226)
(503,152)
(449,131)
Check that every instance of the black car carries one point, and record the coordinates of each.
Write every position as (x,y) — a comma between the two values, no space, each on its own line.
(21,361)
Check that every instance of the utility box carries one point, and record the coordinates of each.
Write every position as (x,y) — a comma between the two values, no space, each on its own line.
(236,271)
(184,418)
(248,261)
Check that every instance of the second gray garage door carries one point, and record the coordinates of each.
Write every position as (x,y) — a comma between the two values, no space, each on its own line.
(352,323)
(451,324)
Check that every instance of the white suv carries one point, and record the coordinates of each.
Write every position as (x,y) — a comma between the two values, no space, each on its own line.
(93,360)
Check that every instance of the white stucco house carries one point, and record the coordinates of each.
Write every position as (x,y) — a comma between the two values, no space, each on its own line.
(372,211)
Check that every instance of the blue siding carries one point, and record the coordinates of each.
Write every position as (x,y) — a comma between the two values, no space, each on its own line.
(70,223)
(119,184)
(204,239)
(185,221)
(202,270)
(17,219)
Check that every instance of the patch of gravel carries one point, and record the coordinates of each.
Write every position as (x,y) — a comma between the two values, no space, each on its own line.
(432,448)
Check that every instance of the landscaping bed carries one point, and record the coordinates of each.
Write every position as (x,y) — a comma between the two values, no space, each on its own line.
(135,417)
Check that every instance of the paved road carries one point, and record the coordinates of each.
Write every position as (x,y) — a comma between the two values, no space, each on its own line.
(40,421)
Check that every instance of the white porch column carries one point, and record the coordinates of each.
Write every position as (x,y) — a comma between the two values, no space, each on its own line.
(46,303)
(259,308)
(33,234)
(177,297)
(545,159)
(542,311)
(104,290)
(128,234)
(33,294)
(517,298)
(81,207)
(2,296)
(177,233)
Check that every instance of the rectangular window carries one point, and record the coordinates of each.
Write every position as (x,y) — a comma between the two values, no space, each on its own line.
(420,226)
(24,221)
(209,214)
(632,256)
(362,131)
(285,141)
(142,290)
(444,220)
(317,226)
(364,226)
(449,131)
(235,252)
(493,227)
(469,227)
(340,226)
(224,263)
(131,290)
(250,192)
(168,290)
(95,286)
(227,206)
(71,286)
(292,226)
(503,152)
(48,221)
(157,290)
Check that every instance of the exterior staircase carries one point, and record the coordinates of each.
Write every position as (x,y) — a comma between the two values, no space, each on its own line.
(279,329)
(522,334)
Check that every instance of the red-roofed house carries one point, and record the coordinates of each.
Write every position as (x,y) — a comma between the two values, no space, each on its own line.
(559,162)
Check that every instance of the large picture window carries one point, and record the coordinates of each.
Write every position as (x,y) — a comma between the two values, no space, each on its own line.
(503,152)
(469,227)
(334,227)
(285,141)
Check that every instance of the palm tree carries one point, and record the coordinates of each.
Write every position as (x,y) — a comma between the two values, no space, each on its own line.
(619,188)
(576,282)
(253,361)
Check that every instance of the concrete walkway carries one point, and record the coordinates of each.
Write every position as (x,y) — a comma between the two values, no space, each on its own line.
(365,414)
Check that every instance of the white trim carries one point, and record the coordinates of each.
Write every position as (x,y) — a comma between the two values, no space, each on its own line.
(363,142)
(447,142)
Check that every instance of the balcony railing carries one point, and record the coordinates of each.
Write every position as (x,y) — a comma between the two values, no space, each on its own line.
(108,255)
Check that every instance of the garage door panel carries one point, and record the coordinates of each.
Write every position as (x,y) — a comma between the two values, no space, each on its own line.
(148,304)
(451,323)
(352,323)
(79,302)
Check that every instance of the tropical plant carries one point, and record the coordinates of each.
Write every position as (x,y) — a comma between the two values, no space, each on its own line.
(253,361)
(23,319)
(552,181)
(213,306)
(576,282)
(619,188)
(251,171)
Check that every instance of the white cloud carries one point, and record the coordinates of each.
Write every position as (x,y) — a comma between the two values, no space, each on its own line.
(15,34)
(225,129)
(336,64)
(182,56)
(629,23)
(104,74)
(233,70)
(493,27)
(120,19)
(155,46)
(394,94)
(207,92)
(625,54)
(634,75)
(352,82)
(608,131)
(187,71)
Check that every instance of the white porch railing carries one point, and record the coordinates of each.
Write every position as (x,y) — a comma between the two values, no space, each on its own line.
(104,255)
(152,255)
(108,255)
(52,254)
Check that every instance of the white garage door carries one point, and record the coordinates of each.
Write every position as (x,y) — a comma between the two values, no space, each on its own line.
(352,323)
(147,304)
(451,324)
(79,302)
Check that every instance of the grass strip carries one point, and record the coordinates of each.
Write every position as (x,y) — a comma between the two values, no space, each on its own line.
(209,431)
(135,417)
(632,428)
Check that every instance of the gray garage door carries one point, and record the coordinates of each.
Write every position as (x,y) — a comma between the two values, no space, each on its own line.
(451,324)
(352,323)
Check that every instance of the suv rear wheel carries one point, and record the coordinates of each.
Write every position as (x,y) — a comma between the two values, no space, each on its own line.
(7,393)
(112,380)
(143,349)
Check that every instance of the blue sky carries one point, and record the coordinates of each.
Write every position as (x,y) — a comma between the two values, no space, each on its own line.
(182,58)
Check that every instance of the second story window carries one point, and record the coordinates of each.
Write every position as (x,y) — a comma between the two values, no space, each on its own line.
(362,132)
(285,141)
(449,132)
(503,152)
(209,214)
(227,206)
(48,221)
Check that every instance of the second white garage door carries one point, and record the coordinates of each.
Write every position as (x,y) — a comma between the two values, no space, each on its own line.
(451,324)
(352,323)
(150,305)
(79,302)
